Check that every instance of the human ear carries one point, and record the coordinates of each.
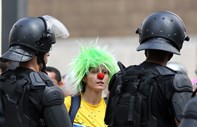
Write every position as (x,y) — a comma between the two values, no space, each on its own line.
(84,79)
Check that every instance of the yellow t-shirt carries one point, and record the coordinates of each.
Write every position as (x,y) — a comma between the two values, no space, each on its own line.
(88,115)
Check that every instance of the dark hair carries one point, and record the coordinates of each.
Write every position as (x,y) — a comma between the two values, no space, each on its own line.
(56,71)
(158,54)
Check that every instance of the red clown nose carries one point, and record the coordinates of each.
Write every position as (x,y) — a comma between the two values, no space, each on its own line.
(100,75)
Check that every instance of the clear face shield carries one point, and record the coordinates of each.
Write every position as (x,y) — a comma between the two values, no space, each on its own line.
(56,27)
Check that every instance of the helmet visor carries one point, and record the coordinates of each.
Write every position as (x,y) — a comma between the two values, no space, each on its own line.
(56,27)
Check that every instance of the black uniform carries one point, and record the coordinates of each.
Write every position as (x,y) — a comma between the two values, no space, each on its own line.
(168,98)
(30,99)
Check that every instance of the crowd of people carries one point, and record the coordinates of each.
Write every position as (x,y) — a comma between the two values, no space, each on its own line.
(155,93)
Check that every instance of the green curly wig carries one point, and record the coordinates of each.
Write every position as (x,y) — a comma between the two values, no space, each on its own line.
(90,56)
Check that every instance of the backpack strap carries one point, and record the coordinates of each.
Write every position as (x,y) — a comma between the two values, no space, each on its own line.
(75,104)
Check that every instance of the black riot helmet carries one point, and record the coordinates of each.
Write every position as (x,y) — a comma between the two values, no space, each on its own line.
(33,35)
(162,30)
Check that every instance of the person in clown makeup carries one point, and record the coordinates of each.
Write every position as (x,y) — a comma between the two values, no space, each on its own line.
(88,76)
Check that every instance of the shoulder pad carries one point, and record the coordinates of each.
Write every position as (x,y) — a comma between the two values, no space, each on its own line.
(44,76)
(36,79)
(53,96)
(164,71)
(182,83)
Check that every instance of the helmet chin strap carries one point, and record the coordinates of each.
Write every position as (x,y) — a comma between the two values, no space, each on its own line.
(40,61)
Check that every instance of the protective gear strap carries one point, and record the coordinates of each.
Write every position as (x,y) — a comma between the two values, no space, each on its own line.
(131,108)
(183,88)
(75,104)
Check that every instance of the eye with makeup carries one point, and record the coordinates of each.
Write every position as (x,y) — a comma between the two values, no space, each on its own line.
(97,70)
(105,71)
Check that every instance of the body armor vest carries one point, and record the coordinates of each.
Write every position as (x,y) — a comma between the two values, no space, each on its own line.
(20,99)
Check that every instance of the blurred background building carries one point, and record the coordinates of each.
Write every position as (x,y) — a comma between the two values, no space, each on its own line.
(112,22)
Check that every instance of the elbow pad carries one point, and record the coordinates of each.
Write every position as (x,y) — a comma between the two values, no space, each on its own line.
(57,116)
(183,92)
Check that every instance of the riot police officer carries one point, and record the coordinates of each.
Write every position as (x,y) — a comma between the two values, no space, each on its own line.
(161,35)
(29,97)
